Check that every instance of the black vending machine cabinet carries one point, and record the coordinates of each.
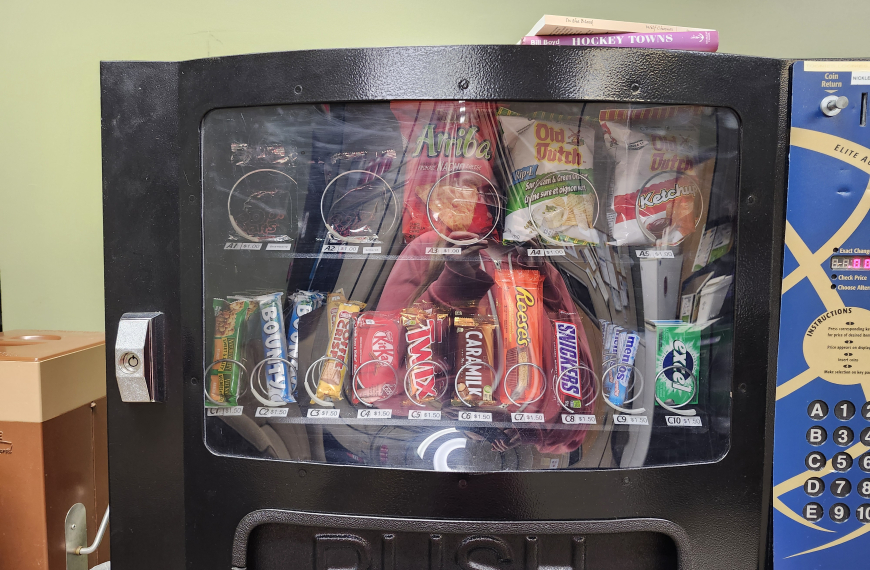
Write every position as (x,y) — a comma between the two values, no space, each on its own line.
(443,307)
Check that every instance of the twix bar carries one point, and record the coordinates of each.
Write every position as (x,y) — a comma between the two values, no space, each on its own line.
(425,335)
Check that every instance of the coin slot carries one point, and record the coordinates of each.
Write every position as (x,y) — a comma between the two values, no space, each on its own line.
(863,122)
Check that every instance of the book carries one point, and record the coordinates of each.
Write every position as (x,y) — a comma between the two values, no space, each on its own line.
(568,25)
(695,41)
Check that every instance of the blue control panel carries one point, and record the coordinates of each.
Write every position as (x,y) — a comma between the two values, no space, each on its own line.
(821,465)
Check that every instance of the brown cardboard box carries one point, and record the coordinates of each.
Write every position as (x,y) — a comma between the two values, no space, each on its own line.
(53,450)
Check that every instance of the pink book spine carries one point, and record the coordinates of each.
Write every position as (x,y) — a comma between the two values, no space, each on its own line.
(694,41)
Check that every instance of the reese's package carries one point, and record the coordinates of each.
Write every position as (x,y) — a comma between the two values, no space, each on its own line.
(552,193)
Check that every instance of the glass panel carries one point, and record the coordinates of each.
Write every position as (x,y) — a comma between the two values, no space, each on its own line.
(479,286)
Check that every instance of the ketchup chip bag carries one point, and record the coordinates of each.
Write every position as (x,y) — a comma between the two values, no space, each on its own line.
(655,195)
(521,316)
(450,149)
(378,347)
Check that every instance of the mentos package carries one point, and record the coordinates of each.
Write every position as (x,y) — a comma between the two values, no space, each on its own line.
(449,150)
(616,383)
(655,194)
(223,379)
(302,303)
(551,193)
(678,345)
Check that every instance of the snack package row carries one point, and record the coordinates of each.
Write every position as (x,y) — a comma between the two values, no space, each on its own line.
(416,357)
(632,176)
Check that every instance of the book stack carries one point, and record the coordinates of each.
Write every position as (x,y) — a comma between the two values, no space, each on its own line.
(591,32)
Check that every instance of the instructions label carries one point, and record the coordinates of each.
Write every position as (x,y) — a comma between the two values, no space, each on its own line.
(323,413)
(373,249)
(837,345)
(270,412)
(228,411)
(279,246)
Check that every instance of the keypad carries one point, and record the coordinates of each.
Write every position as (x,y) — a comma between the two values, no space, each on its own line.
(845,485)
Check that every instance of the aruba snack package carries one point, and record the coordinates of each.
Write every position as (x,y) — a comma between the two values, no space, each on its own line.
(520,314)
(678,363)
(449,152)
(552,193)
(655,194)
(303,302)
(224,377)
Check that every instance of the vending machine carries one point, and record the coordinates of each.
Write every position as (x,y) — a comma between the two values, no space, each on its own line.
(462,307)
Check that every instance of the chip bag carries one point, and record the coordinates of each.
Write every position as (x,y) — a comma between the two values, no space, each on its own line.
(449,150)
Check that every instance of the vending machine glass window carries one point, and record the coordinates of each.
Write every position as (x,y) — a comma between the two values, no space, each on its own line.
(469,285)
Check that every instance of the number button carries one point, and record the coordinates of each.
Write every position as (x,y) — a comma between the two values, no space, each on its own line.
(864,463)
(864,488)
(862,513)
(814,487)
(813,512)
(844,436)
(839,513)
(844,410)
(816,435)
(865,436)
(865,411)
(818,410)
(841,488)
(842,462)
(815,461)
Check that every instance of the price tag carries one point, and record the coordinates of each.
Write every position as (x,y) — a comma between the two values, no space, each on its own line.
(228,411)
(238,245)
(270,412)
(279,246)
(374,414)
(546,252)
(332,248)
(527,418)
(376,249)
(578,419)
(475,417)
(655,254)
(625,419)
(424,415)
(443,250)
(323,413)
(684,421)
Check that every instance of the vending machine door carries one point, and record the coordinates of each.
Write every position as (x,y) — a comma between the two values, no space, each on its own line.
(821,471)
(465,307)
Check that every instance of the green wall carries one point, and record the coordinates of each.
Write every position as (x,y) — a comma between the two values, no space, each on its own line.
(50,198)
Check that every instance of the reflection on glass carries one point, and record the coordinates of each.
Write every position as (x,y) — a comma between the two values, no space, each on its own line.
(474,286)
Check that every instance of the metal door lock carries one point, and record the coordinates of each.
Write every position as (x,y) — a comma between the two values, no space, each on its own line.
(139,353)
